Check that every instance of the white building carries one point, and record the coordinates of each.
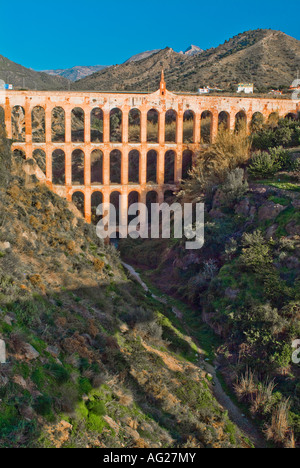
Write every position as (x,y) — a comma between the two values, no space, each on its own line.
(247,88)
(204,90)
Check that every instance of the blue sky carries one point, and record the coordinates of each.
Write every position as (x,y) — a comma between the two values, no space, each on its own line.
(61,34)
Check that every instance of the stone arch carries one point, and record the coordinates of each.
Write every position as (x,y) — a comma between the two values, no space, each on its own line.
(187,163)
(97,125)
(151,197)
(19,153)
(115,200)
(152,160)
(152,126)
(206,127)
(273,119)
(77,125)
(134,126)
(170,126)
(96,167)
(257,122)
(133,197)
(58,167)
(169,196)
(169,173)
(240,121)
(188,127)
(224,120)
(18,123)
(291,116)
(96,200)
(115,127)
(38,123)
(78,199)
(78,167)
(134,167)
(39,156)
(2,117)
(58,125)
(115,164)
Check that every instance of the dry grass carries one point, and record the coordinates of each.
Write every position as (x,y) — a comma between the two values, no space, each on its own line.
(279,429)
(246,385)
(263,398)
(230,151)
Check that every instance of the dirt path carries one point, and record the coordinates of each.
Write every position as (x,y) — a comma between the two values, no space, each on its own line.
(235,414)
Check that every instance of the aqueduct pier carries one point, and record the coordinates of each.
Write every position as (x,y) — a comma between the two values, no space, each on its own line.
(160,147)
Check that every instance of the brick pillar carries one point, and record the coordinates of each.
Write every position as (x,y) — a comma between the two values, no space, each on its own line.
(197,128)
(178,166)
(160,196)
(48,128)
(68,165)
(214,126)
(179,128)
(28,123)
(48,164)
(124,167)
(248,123)
(161,166)
(87,125)
(144,126)
(68,126)
(232,121)
(161,128)
(87,168)
(87,205)
(124,214)
(143,167)
(125,116)
(106,166)
(106,125)
(8,125)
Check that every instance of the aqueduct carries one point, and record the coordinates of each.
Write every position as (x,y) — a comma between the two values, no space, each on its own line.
(136,144)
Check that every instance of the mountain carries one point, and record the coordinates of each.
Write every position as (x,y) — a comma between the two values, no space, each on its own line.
(75,73)
(26,78)
(142,55)
(192,50)
(266,57)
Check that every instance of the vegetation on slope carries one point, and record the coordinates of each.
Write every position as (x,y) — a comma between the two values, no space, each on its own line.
(91,360)
(245,282)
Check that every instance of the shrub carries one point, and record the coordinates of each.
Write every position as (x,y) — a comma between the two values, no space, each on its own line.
(43,405)
(262,165)
(230,151)
(283,158)
(234,186)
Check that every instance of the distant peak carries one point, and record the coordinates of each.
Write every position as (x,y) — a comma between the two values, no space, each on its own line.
(192,50)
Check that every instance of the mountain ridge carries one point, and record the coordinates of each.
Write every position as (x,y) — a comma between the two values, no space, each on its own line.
(268,58)
(22,77)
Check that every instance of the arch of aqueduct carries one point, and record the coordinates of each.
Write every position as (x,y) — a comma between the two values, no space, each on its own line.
(160,101)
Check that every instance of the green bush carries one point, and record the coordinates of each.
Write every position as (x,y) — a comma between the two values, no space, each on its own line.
(263,165)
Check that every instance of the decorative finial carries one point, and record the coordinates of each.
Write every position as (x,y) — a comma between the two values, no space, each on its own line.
(162,83)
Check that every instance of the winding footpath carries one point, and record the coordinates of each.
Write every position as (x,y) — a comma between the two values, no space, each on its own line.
(235,414)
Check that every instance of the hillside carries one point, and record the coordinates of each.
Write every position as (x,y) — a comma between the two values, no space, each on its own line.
(268,58)
(75,73)
(21,77)
(245,281)
(92,361)
(141,55)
